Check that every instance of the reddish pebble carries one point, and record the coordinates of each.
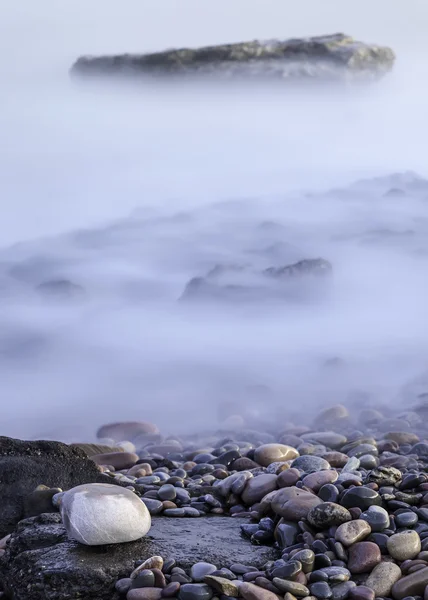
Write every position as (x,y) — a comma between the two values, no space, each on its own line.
(363,557)
(361,592)
(171,589)
(288,478)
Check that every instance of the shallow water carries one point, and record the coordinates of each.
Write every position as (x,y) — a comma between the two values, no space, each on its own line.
(130,191)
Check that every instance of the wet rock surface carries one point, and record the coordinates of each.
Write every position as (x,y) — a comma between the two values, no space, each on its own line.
(324,57)
(40,555)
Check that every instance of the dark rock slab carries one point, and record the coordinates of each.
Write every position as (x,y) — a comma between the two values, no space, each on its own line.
(41,563)
(322,57)
(25,465)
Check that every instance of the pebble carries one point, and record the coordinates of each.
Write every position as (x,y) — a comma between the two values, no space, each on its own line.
(154,506)
(353,531)
(288,478)
(341,591)
(119,460)
(175,512)
(377,517)
(361,497)
(406,519)
(167,492)
(171,590)
(327,438)
(383,577)
(411,585)
(122,586)
(222,585)
(154,562)
(293,587)
(316,480)
(363,557)
(310,464)
(321,590)
(96,514)
(250,591)
(328,514)
(195,591)
(200,569)
(293,503)
(269,453)
(361,592)
(145,578)
(404,545)
(257,487)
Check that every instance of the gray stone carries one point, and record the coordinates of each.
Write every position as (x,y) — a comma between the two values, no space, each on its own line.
(327,438)
(310,464)
(293,587)
(195,591)
(293,504)
(411,585)
(383,577)
(377,517)
(167,492)
(404,545)
(200,569)
(41,562)
(325,57)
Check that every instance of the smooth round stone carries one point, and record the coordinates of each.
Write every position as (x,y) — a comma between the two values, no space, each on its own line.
(148,480)
(361,592)
(145,578)
(411,585)
(335,459)
(126,430)
(328,492)
(383,577)
(167,492)
(200,569)
(154,506)
(293,587)
(368,461)
(195,591)
(315,481)
(363,557)
(239,484)
(328,514)
(250,591)
(377,517)
(361,497)
(362,449)
(174,512)
(341,590)
(269,453)
(257,487)
(327,438)
(321,590)
(288,478)
(310,464)
(406,519)
(353,531)
(171,590)
(288,571)
(118,460)
(404,545)
(244,464)
(182,495)
(98,513)
(123,585)
(293,503)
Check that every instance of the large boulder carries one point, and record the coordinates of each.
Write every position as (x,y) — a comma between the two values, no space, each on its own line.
(323,57)
(41,563)
(25,465)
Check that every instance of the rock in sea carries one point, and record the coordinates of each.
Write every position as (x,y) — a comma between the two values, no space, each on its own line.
(96,514)
(327,57)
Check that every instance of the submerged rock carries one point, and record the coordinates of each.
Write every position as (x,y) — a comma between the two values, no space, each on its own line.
(323,57)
